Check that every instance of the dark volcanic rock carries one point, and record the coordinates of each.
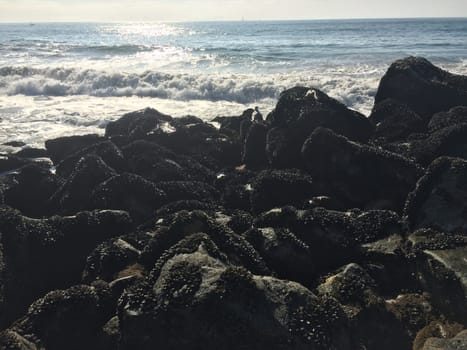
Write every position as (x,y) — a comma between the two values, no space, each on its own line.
(439,200)
(254,150)
(276,188)
(281,149)
(30,152)
(32,187)
(442,270)
(216,305)
(76,193)
(459,342)
(360,175)
(235,247)
(106,150)
(130,192)
(284,253)
(304,109)
(394,122)
(425,88)
(449,141)
(456,115)
(138,124)
(373,326)
(188,190)
(116,258)
(63,319)
(157,163)
(62,147)
(42,255)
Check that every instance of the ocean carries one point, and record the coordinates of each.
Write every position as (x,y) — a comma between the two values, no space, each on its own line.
(60,79)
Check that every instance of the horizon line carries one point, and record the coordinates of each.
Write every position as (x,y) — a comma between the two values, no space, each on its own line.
(239,20)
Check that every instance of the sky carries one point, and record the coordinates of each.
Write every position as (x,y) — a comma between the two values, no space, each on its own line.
(196,10)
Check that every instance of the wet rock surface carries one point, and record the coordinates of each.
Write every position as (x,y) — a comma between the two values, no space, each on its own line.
(315,228)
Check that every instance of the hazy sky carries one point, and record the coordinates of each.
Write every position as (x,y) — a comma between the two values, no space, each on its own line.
(170,10)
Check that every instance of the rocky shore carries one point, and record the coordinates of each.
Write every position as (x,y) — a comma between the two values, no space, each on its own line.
(312,228)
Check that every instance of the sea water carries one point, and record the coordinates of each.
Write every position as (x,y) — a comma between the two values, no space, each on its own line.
(73,78)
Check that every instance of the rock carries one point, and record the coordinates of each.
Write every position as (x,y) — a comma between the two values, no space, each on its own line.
(240,221)
(442,271)
(372,325)
(254,150)
(439,199)
(235,247)
(157,163)
(414,311)
(304,109)
(423,87)
(129,192)
(138,124)
(276,188)
(109,259)
(235,186)
(174,207)
(188,190)
(456,115)
(9,163)
(63,319)
(42,255)
(30,152)
(388,264)
(232,125)
(394,122)
(357,174)
(284,253)
(443,331)
(106,150)
(459,342)
(62,147)
(449,141)
(16,144)
(216,305)
(281,149)
(76,193)
(32,187)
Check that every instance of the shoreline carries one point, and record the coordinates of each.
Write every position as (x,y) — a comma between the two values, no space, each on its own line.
(312,227)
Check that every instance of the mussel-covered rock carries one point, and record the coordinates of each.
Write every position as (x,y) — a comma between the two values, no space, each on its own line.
(425,88)
(361,175)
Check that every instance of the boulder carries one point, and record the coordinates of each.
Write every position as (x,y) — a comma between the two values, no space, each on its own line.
(63,319)
(373,326)
(456,115)
(62,147)
(440,197)
(442,271)
(394,122)
(281,148)
(157,163)
(129,192)
(42,255)
(423,87)
(139,124)
(284,253)
(438,335)
(31,188)
(195,299)
(449,141)
(76,192)
(357,174)
(188,190)
(31,152)
(106,150)
(115,258)
(234,247)
(276,188)
(254,149)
